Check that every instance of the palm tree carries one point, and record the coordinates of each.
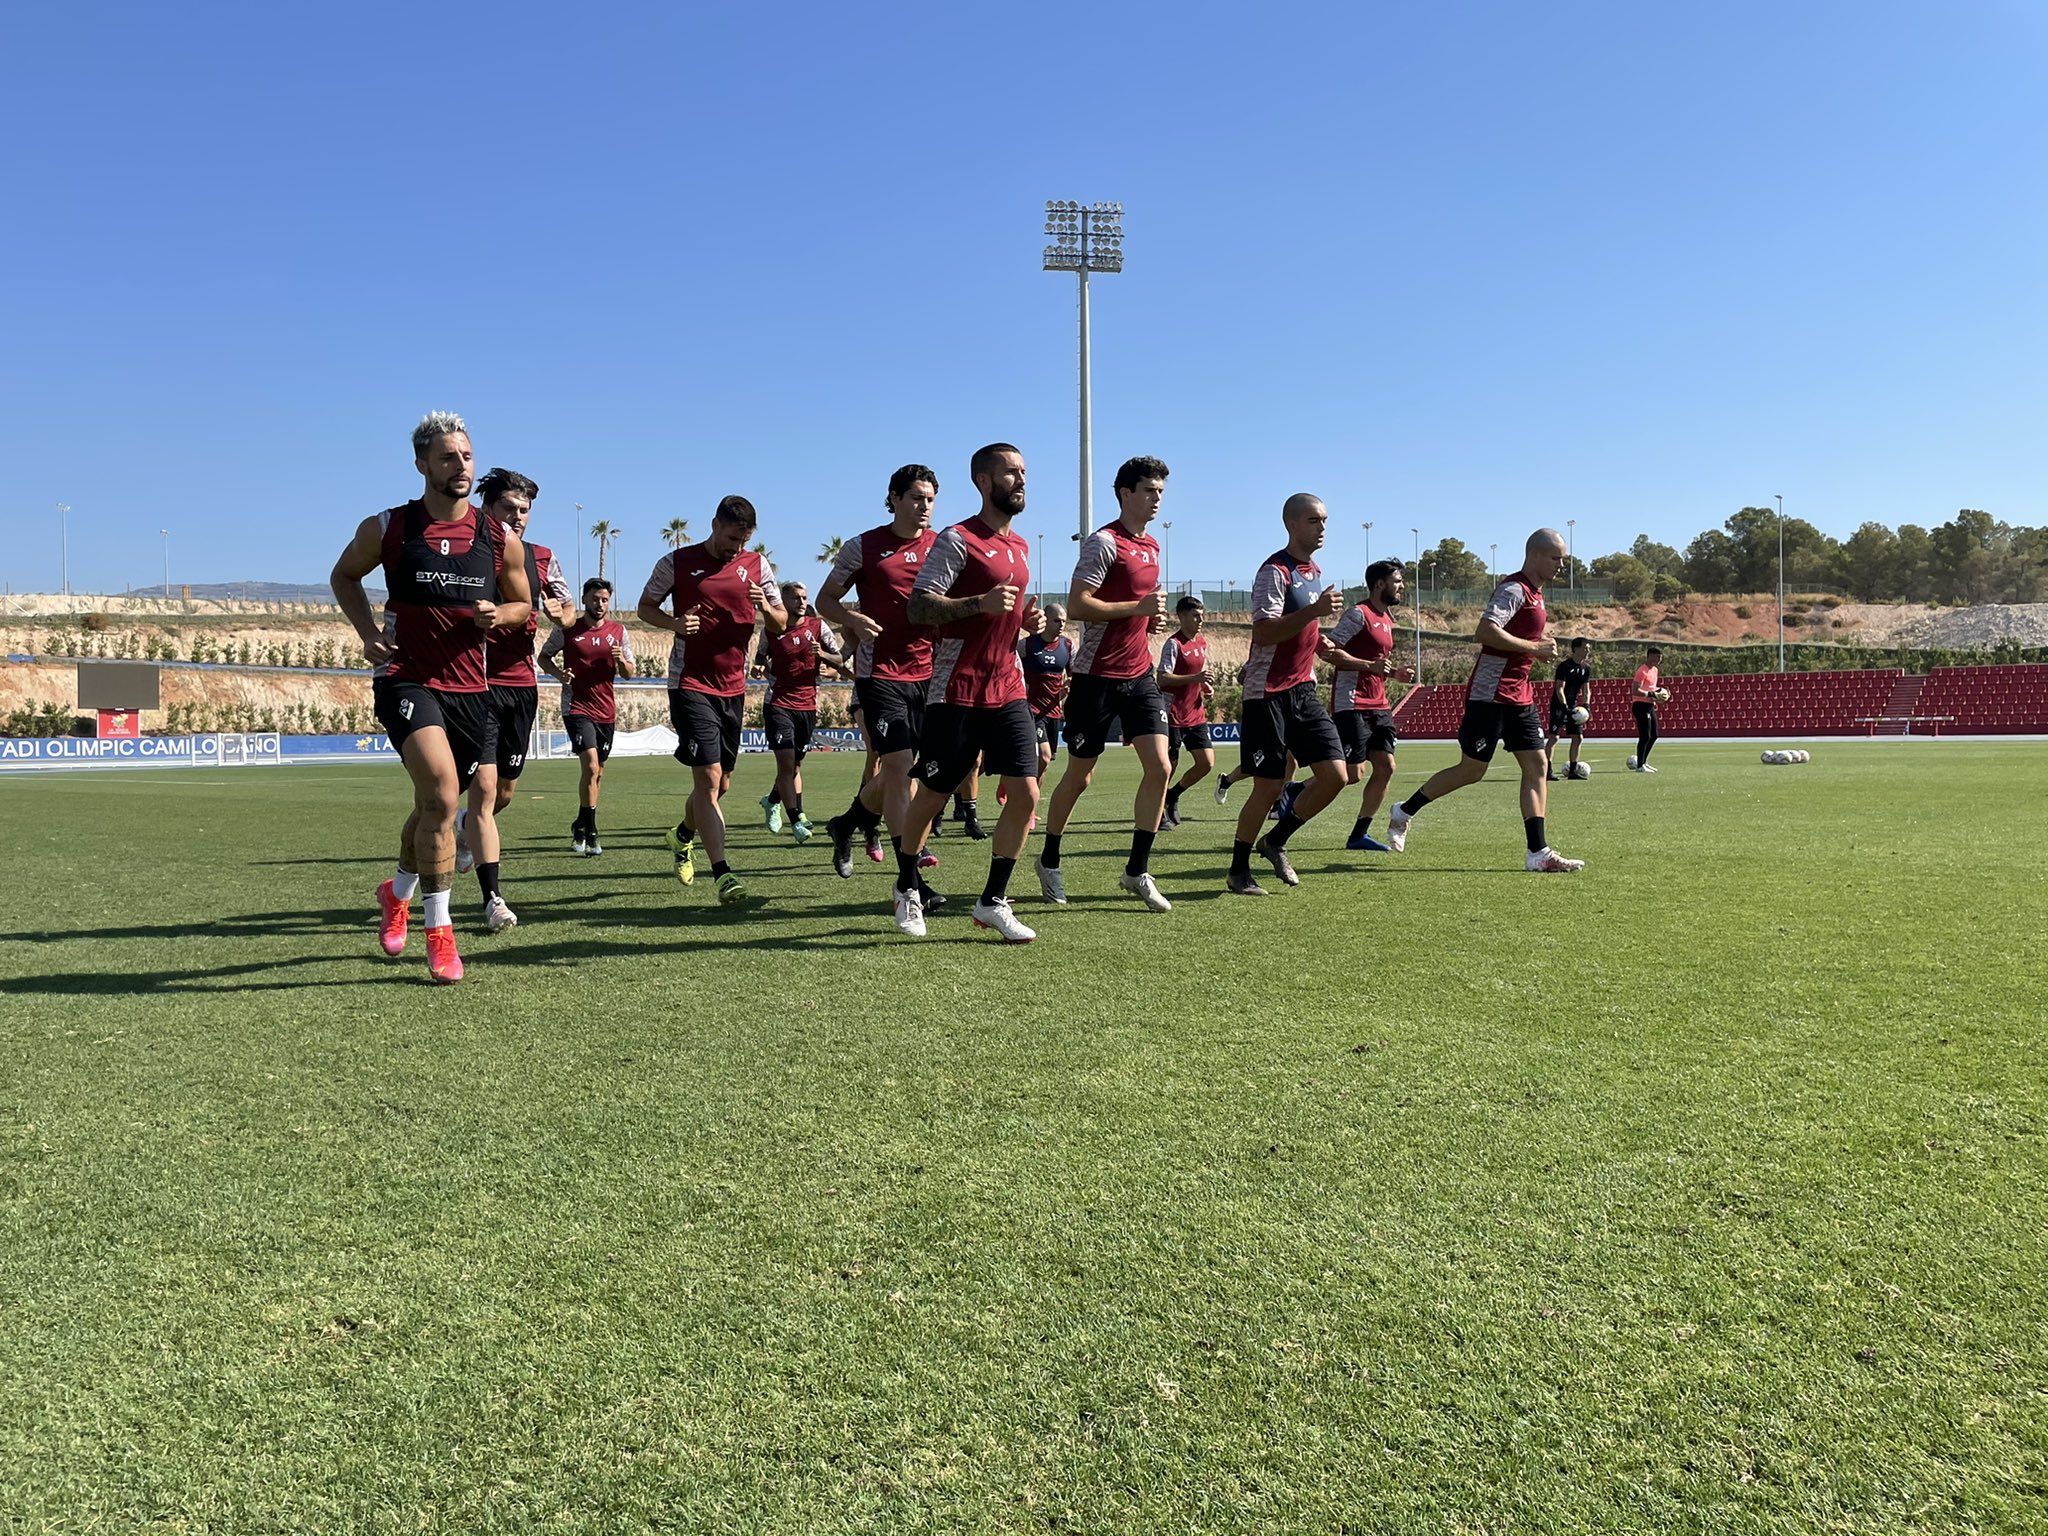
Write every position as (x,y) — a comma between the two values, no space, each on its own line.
(767,555)
(677,533)
(829,555)
(603,532)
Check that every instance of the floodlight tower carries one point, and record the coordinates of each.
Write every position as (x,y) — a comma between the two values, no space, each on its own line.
(1086,237)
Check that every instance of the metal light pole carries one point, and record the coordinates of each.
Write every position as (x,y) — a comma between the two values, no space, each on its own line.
(1086,237)
(1166,557)
(64,538)
(167,560)
(1781,581)
(579,550)
(1041,570)
(1418,603)
(1368,544)
(1571,526)
(1493,561)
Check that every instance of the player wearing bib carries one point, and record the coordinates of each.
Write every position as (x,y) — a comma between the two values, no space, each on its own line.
(892,657)
(1361,650)
(1283,714)
(1567,688)
(1115,594)
(1499,704)
(515,693)
(974,589)
(1644,697)
(792,661)
(1186,680)
(450,573)
(1048,660)
(715,591)
(587,659)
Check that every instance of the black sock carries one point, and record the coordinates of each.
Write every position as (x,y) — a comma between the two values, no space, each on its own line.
(775,794)
(1533,825)
(685,832)
(1358,827)
(1414,803)
(590,819)
(1284,828)
(906,866)
(861,818)
(487,878)
(720,867)
(998,879)
(1141,853)
(1172,799)
(1050,855)
(1240,857)
(795,803)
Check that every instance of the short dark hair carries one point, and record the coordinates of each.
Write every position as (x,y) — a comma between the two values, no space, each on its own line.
(1579,640)
(736,509)
(596,584)
(1379,571)
(1143,467)
(984,459)
(908,476)
(497,482)
(1654,650)
(1187,604)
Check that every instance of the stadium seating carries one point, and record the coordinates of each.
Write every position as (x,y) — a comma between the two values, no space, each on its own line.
(1987,701)
(1741,704)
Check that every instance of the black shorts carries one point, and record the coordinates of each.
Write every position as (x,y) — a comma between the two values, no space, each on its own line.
(955,734)
(1047,729)
(1516,726)
(1134,703)
(895,714)
(1178,736)
(707,727)
(1294,721)
(403,707)
(513,710)
(585,733)
(1366,731)
(789,730)
(1561,722)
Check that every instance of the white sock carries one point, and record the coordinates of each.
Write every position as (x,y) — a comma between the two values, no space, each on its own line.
(403,883)
(437,909)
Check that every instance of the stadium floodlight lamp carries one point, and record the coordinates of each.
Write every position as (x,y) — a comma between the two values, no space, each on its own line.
(1085,238)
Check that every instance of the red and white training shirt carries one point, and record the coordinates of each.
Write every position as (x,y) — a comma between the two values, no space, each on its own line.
(1284,585)
(1177,658)
(1502,677)
(975,661)
(509,652)
(1119,567)
(793,664)
(879,568)
(587,652)
(1368,634)
(693,580)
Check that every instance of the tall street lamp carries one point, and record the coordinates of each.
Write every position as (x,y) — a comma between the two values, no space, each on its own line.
(1418,603)
(64,541)
(1493,561)
(1368,544)
(1166,557)
(1781,581)
(1571,525)
(167,560)
(579,553)
(1086,237)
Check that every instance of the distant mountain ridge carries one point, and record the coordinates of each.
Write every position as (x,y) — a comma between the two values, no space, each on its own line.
(251,591)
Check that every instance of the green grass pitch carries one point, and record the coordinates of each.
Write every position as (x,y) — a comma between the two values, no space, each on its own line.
(1704,1191)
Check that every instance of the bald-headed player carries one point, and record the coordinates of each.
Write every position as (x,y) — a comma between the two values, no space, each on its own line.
(450,573)
(716,591)
(975,591)
(1283,711)
(1500,704)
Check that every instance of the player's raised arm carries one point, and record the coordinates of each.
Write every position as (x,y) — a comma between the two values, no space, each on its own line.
(363,554)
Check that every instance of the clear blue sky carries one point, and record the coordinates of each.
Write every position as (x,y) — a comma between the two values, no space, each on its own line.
(1471,268)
